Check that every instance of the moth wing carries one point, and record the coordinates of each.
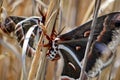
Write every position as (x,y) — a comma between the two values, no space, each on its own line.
(8,25)
(99,57)
(81,30)
(72,57)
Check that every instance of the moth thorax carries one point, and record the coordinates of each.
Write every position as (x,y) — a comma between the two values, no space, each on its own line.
(54,50)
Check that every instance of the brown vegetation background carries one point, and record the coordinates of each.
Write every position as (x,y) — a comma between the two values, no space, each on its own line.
(74,13)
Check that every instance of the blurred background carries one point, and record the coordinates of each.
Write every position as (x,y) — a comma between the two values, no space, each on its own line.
(74,13)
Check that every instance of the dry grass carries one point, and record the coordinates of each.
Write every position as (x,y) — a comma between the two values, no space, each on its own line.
(74,13)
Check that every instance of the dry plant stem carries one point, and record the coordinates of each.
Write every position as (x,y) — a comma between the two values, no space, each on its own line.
(25,43)
(54,5)
(52,17)
(21,76)
(42,56)
(60,18)
(35,61)
(41,73)
(1,2)
(97,5)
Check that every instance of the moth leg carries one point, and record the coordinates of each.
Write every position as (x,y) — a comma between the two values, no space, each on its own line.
(43,14)
(44,45)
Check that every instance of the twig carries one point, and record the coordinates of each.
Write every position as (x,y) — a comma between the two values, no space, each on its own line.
(53,15)
(97,5)
(41,56)
(60,18)
(54,5)
(35,61)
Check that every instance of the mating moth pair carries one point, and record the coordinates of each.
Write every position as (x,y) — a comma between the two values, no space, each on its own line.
(71,45)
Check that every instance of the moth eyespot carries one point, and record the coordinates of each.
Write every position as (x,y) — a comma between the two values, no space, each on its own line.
(56,39)
(72,65)
(86,33)
(78,48)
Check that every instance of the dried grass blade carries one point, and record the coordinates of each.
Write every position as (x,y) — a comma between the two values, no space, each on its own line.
(97,6)
(35,61)
(54,4)
(39,73)
(60,28)
(11,48)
